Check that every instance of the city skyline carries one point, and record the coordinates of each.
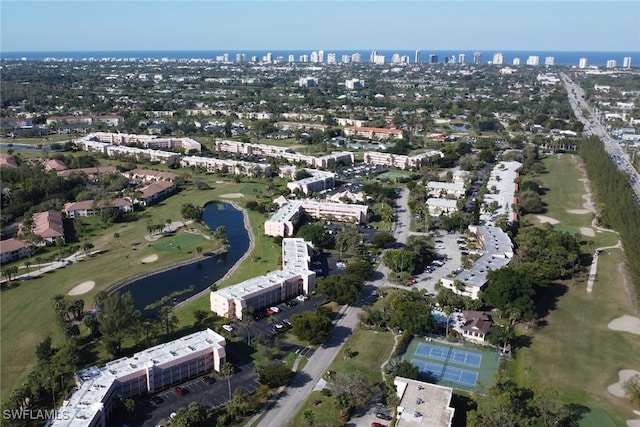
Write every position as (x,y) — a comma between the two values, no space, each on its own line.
(55,25)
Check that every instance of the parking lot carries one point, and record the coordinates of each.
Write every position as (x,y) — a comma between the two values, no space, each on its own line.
(446,245)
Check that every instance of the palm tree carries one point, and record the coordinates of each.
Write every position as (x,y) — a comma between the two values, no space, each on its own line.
(59,305)
(27,264)
(226,370)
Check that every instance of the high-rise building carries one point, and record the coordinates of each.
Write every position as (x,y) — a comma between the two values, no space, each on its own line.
(533,60)
(498,58)
(346,59)
(516,61)
(582,63)
(372,56)
(356,57)
(451,59)
(611,63)
(314,57)
(379,60)
(549,60)
(240,57)
(254,59)
(292,59)
(433,58)
(417,57)
(321,56)
(269,57)
(626,62)
(395,58)
(331,59)
(304,58)
(477,58)
(461,58)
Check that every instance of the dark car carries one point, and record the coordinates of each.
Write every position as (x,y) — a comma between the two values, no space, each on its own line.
(208,379)
(384,416)
(156,399)
(179,391)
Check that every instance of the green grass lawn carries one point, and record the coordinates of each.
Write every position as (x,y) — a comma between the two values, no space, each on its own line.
(372,348)
(574,352)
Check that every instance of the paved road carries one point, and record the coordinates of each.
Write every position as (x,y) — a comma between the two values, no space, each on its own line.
(304,381)
(594,265)
(593,126)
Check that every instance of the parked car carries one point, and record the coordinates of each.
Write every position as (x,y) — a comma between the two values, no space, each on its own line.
(302,298)
(179,391)
(291,303)
(275,309)
(227,328)
(384,416)
(156,399)
(208,379)
(270,312)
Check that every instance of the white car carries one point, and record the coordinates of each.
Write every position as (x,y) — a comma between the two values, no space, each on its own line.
(275,309)
(227,328)
(302,298)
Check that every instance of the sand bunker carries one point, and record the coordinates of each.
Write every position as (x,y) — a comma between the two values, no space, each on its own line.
(626,324)
(148,259)
(587,231)
(623,376)
(551,221)
(232,196)
(83,288)
(578,211)
(633,423)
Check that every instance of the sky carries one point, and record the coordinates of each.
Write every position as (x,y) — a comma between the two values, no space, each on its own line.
(89,25)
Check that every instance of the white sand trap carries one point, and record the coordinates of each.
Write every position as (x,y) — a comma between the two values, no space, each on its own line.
(623,376)
(232,196)
(587,231)
(633,423)
(551,221)
(148,259)
(626,324)
(578,211)
(83,288)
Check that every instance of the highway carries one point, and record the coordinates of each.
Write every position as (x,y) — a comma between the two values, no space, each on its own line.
(593,126)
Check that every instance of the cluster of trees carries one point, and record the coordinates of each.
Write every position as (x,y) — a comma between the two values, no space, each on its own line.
(543,254)
(345,289)
(28,188)
(352,390)
(615,201)
(409,311)
(312,327)
(418,252)
(506,404)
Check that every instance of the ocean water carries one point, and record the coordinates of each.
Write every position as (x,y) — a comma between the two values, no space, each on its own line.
(561,58)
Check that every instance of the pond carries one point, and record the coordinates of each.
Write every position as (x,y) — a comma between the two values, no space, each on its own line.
(193,278)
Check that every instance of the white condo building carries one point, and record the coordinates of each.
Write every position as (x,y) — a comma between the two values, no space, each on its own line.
(501,188)
(496,252)
(271,289)
(582,63)
(283,222)
(626,62)
(146,372)
(400,161)
(498,58)
(549,60)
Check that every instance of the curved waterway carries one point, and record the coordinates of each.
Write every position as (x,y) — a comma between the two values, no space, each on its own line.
(201,274)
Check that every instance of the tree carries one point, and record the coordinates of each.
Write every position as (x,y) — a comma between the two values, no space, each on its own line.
(399,260)
(311,327)
(189,416)
(316,234)
(347,240)
(632,389)
(340,289)
(117,237)
(501,336)
(383,240)
(115,320)
(200,316)
(352,389)
(226,370)
(406,369)
(309,417)
(274,374)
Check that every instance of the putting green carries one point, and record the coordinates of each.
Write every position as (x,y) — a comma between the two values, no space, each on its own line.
(181,242)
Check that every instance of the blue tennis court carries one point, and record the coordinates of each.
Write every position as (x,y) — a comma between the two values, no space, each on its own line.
(459,357)
(446,373)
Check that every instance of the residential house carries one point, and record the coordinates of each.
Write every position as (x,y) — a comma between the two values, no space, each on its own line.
(155,191)
(91,208)
(14,249)
(48,225)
